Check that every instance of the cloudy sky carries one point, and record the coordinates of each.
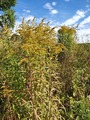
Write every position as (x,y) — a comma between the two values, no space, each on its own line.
(58,12)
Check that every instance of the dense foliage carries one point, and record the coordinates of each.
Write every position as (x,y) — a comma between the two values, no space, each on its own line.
(29,73)
(7,16)
(74,75)
(40,78)
(6,4)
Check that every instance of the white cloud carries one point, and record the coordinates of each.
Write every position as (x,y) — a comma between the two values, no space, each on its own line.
(54,11)
(85,21)
(83,35)
(17,23)
(29,17)
(54,3)
(48,6)
(84,31)
(79,14)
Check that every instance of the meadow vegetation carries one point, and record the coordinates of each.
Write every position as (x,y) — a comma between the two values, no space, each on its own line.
(43,76)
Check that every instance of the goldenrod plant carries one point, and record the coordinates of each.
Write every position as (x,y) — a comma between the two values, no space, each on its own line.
(29,85)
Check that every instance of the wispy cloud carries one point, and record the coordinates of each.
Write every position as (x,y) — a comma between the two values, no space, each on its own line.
(50,7)
(25,10)
(79,14)
(85,21)
(88,6)
(66,0)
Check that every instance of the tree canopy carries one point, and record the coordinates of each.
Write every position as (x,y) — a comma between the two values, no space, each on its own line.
(7,4)
(7,17)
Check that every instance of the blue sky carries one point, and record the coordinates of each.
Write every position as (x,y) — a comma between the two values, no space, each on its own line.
(59,12)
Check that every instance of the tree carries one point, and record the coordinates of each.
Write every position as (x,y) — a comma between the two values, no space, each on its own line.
(7,16)
(7,4)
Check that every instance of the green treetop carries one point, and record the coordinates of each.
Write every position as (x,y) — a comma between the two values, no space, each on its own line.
(7,4)
(7,17)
